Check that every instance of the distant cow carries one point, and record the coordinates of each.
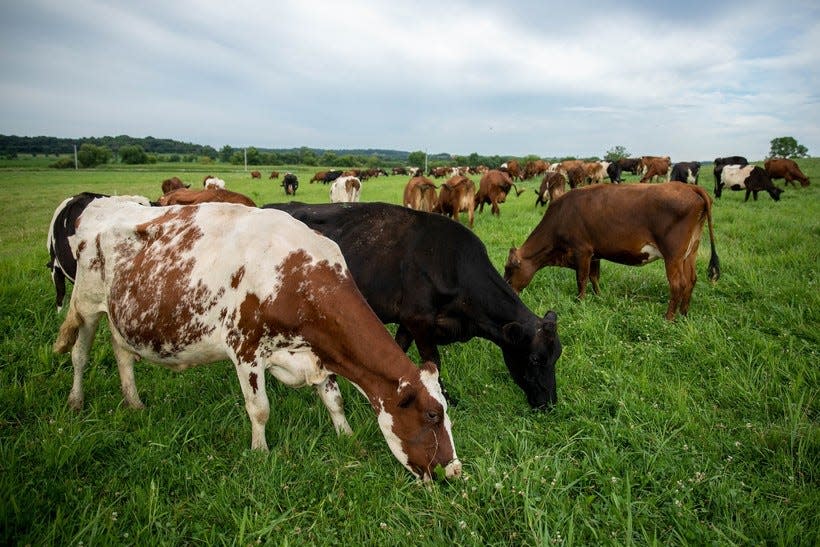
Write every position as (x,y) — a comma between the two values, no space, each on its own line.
(330,176)
(345,190)
(720,163)
(256,175)
(290,183)
(457,195)
(186,196)
(318,177)
(420,194)
(628,224)
(185,286)
(533,168)
(61,262)
(174,183)
(576,176)
(553,186)
(685,171)
(782,168)
(433,278)
(655,166)
(613,171)
(211,181)
(399,171)
(633,165)
(751,178)
(493,189)
(274,175)
(513,169)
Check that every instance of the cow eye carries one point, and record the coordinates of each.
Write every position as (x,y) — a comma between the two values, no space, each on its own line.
(432,416)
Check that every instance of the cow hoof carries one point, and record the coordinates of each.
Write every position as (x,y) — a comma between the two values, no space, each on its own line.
(75,403)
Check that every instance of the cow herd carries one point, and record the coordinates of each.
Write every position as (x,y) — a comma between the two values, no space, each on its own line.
(181,283)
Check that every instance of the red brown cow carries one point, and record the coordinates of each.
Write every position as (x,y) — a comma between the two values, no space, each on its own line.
(184,286)
(174,183)
(256,175)
(534,168)
(420,194)
(457,195)
(782,168)
(655,166)
(274,175)
(186,196)
(630,224)
(493,189)
(553,186)
(318,177)
(512,168)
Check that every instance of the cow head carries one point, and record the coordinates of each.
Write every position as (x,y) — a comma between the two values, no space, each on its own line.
(417,428)
(530,354)
(517,272)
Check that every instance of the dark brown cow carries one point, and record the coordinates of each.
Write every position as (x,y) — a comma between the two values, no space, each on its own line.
(420,194)
(655,166)
(457,195)
(438,172)
(256,175)
(318,177)
(512,168)
(274,175)
(533,168)
(576,176)
(633,165)
(630,224)
(782,168)
(493,189)
(174,183)
(553,186)
(186,196)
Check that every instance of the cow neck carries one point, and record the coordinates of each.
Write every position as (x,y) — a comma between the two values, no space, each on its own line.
(501,308)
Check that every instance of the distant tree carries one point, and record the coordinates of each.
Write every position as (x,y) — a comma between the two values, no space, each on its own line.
(173,158)
(787,147)
(210,151)
(416,159)
(133,154)
(237,158)
(63,163)
(90,155)
(616,153)
(329,158)
(253,156)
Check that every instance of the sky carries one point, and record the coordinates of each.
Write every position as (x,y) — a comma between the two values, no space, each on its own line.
(692,80)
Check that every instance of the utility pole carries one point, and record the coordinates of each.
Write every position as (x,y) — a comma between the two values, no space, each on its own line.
(246,158)
(76,165)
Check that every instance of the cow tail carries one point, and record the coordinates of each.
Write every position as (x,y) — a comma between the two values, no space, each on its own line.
(68,330)
(517,191)
(714,262)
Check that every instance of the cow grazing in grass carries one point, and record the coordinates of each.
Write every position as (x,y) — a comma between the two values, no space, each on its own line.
(432,277)
(274,175)
(720,163)
(290,183)
(183,286)
(174,183)
(627,224)
(493,189)
(633,165)
(553,185)
(751,178)
(63,224)
(783,168)
(345,190)
(457,195)
(256,175)
(186,196)
(420,194)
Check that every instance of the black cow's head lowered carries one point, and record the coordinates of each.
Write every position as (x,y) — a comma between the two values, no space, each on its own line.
(530,356)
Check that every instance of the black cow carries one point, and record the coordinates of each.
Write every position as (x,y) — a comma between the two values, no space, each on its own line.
(720,163)
(432,277)
(613,171)
(290,183)
(330,176)
(686,172)
(61,262)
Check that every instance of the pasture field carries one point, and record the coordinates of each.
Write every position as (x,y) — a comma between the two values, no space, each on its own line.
(699,431)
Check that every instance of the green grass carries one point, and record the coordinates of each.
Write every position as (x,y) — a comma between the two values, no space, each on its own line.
(699,431)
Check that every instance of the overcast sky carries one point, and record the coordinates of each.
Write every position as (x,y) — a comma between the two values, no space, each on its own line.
(692,80)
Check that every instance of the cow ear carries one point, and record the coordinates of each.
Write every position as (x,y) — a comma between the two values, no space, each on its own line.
(513,332)
(550,324)
(512,258)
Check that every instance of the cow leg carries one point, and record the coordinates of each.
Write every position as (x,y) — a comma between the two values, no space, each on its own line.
(747,195)
(125,365)
(330,395)
(58,277)
(595,275)
(77,332)
(252,381)
(691,276)
(496,210)
(582,268)
(675,274)
(404,338)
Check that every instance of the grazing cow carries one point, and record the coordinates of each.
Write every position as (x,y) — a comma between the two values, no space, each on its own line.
(63,225)
(751,178)
(628,224)
(512,168)
(186,196)
(720,163)
(211,181)
(318,177)
(782,168)
(420,194)
(576,176)
(594,172)
(533,168)
(330,176)
(434,279)
(274,175)
(457,195)
(345,190)
(438,172)
(399,171)
(493,189)
(655,166)
(256,175)
(553,186)
(290,183)
(613,171)
(174,183)
(685,171)
(633,165)
(186,285)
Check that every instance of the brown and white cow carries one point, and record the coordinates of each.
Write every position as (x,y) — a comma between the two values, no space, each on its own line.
(420,194)
(655,166)
(457,195)
(553,186)
(211,181)
(187,196)
(345,189)
(174,183)
(183,286)
(783,168)
(751,178)
(493,189)
(512,168)
(630,224)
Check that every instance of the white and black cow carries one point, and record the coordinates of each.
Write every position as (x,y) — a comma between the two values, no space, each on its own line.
(186,285)
(61,261)
(434,279)
(720,163)
(751,178)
